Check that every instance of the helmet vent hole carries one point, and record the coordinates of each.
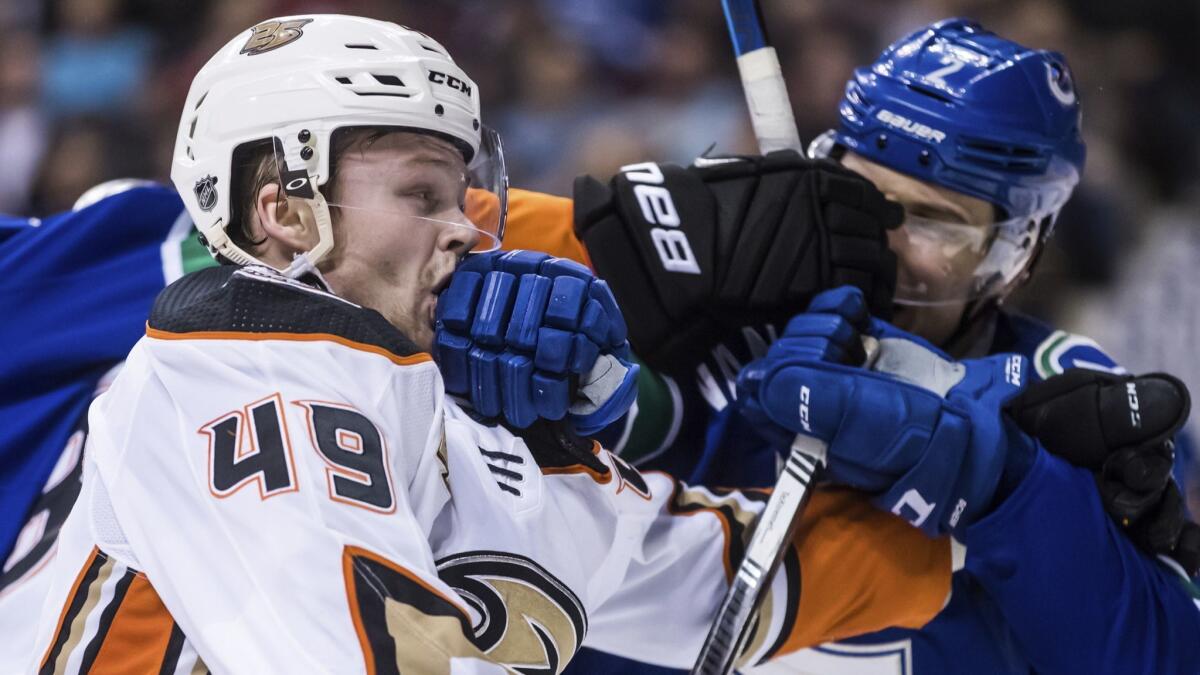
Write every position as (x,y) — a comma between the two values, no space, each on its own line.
(192,129)
(931,93)
(200,101)
(430,48)
(1007,156)
(384,84)
(361,46)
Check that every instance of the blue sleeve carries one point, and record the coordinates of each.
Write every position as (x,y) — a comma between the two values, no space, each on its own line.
(1077,594)
(75,291)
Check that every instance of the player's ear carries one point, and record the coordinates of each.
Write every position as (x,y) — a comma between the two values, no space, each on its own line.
(286,224)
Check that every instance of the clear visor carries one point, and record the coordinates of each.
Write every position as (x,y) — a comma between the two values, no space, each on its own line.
(411,178)
(942,263)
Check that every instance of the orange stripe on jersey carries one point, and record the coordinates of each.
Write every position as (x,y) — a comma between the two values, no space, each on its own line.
(542,222)
(411,359)
(863,570)
(137,639)
(72,606)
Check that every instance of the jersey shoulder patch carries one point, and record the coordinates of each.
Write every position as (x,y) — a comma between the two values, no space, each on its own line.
(1062,350)
(257,303)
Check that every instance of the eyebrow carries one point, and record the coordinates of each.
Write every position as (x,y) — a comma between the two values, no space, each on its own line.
(430,159)
(942,210)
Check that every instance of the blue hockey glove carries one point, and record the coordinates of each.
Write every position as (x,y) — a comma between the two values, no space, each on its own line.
(927,437)
(523,336)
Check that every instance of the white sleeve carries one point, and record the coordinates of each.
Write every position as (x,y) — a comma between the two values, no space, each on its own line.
(270,509)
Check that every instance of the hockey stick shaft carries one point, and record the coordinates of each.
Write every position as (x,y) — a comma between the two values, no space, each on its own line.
(772,534)
(775,129)
(762,79)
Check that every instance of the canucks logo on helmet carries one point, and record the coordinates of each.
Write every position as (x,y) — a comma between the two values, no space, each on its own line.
(1058,76)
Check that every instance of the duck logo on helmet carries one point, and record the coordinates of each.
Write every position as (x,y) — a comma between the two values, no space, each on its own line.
(272,35)
(206,193)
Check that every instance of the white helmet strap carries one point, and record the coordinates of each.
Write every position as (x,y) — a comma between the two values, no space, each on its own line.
(297,160)
(306,263)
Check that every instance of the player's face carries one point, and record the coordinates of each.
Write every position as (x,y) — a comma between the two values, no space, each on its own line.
(399,228)
(939,270)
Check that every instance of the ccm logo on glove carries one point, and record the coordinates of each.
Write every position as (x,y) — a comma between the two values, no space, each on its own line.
(1012,371)
(1135,416)
(804,395)
(658,208)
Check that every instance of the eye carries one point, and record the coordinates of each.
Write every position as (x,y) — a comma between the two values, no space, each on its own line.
(423,196)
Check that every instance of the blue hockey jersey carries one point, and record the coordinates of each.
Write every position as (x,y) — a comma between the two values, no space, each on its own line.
(75,290)
(1044,576)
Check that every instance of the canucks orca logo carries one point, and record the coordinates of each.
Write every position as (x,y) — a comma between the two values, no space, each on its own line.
(1061,85)
(206,193)
(1062,351)
(529,620)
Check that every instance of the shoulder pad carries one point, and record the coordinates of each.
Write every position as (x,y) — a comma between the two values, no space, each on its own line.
(256,304)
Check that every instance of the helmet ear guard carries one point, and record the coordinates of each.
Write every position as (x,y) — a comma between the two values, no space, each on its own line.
(297,156)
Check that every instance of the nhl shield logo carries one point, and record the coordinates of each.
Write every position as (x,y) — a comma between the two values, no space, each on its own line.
(206,193)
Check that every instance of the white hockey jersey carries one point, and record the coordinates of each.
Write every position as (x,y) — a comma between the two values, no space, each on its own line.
(276,482)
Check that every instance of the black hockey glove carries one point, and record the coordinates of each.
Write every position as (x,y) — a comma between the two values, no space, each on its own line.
(693,254)
(1120,427)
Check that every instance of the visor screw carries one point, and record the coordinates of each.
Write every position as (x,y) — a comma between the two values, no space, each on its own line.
(475,125)
(304,135)
(306,153)
(924,158)
(881,141)
(439,110)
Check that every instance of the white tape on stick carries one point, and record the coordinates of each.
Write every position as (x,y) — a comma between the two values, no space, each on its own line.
(766,95)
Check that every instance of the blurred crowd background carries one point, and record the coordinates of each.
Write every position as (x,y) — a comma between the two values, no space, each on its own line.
(91,90)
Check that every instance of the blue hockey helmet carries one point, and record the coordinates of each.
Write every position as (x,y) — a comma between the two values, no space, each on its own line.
(958,106)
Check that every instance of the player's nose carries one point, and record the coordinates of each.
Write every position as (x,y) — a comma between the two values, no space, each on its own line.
(458,235)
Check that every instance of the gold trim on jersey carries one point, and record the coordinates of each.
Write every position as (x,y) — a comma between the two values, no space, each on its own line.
(113,621)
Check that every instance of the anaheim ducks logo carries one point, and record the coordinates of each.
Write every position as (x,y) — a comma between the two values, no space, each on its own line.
(529,621)
(272,35)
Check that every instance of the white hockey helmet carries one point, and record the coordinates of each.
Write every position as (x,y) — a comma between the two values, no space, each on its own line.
(296,80)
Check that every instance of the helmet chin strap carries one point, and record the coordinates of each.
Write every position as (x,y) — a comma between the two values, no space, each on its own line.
(316,215)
